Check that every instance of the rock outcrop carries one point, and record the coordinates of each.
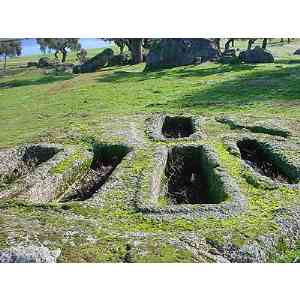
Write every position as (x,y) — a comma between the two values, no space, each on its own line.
(229,57)
(297,52)
(256,55)
(121,59)
(44,62)
(30,254)
(98,61)
(179,52)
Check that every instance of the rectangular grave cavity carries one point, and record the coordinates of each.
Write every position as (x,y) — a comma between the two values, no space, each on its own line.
(263,160)
(106,158)
(177,127)
(37,154)
(28,157)
(191,177)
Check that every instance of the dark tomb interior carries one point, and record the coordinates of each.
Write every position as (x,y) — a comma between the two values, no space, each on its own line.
(191,179)
(177,127)
(260,159)
(106,159)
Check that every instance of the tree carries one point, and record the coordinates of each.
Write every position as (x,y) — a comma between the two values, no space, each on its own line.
(227,44)
(135,46)
(10,48)
(82,56)
(250,43)
(59,45)
(264,43)
(217,42)
(119,43)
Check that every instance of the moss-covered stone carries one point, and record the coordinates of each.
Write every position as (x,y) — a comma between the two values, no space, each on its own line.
(220,187)
(113,228)
(175,128)
(272,127)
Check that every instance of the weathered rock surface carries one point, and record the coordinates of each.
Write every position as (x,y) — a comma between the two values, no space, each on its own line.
(98,61)
(120,60)
(19,161)
(280,154)
(229,57)
(221,185)
(44,62)
(130,220)
(297,52)
(179,52)
(156,124)
(45,171)
(29,254)
(256,55)
(268,126)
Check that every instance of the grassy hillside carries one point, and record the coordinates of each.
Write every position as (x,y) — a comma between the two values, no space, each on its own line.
(34,101)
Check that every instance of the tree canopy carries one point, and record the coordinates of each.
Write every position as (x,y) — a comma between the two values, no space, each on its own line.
(134,45)
(59,45)
(9,48)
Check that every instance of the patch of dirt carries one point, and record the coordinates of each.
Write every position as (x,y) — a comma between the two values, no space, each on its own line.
(287,103)
(61,86)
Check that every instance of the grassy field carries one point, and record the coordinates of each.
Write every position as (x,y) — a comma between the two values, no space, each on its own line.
(33,102)
(40,106)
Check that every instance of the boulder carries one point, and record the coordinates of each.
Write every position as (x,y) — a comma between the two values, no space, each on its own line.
(32,64)
(84,68)
(297,52)
(120,60)
(44,62)
(256,55)
(229,57)
(98,61)
(64,68)
(180,52)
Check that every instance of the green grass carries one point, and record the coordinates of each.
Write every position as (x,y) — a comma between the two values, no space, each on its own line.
(36,106)
(32,102)
(291,256)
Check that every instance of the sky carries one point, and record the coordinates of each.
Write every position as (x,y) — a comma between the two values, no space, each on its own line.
(30,46)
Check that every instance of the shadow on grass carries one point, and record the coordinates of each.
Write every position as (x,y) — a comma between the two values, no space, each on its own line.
(175,72)
(278,85)
(119,76)
(288,61)
(44,80)
(12,71)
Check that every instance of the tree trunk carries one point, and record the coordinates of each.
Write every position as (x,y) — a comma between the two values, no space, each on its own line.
(56,54)
(121,45)
(228,43)
(64,54)
(250,43)
(218,45)
(288,40)
(135,47)
(122,48)
(4,67)
(264,43)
